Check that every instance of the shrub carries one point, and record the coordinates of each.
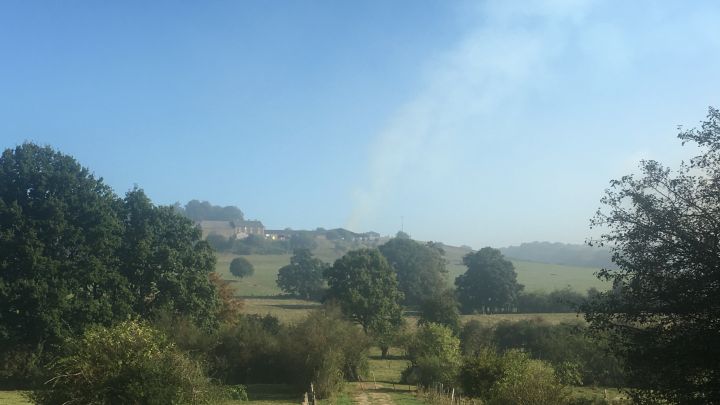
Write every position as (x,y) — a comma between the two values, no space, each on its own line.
(525,381)
(130,363)
(475,336)
(434,353)
(240,267)
(249,352)
(511,378)
(480,372)
(560,345)
(326,349)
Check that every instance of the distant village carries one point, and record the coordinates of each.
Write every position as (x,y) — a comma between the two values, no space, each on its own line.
(241,229)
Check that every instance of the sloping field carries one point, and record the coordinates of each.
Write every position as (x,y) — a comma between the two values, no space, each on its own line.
(535,276)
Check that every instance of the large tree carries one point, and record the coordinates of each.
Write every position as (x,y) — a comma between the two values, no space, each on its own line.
(365,286)
(420,268)
(662,314)
(489,284)
(59,231)
(73,254)
(303,276)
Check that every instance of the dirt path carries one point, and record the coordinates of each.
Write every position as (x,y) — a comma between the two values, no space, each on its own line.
(372,397)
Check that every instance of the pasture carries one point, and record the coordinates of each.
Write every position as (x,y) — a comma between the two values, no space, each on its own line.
(534,276)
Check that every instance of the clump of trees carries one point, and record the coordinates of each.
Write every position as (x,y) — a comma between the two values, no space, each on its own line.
(204,211)
(662,314)
(75,254)
(241,267)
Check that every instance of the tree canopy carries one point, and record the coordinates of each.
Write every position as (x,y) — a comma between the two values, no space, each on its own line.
(241,267)
(303,276)
(663,227)
(420,268)
(365,286)
(203,210)
(489,284)
(72,253)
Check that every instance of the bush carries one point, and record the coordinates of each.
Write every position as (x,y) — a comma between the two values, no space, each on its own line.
(249,352)
(434,353)
(480,372)
(526,381)
(562,345)
(240,267)
(130,363)
(475,336)
(511,378)
(326,349)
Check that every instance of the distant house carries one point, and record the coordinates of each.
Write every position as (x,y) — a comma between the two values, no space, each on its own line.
(273,234)
(232,229)
(243,229)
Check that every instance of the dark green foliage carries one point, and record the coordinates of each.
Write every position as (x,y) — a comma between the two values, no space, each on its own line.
(165,262)
(441,308)
(564,300)
(73,254)
(566,346)
(420,268)
(434,353)
(22,366)
(251,351)
(662,316)
(59,234)
(303,277)
(474,337)
(204,211)
(241,267)
(129,363)
(364,285)
(480,372)
(489,284)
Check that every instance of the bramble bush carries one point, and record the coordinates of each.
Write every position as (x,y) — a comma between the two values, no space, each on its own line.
(130,363)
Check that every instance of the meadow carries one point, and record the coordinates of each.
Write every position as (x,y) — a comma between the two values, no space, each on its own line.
(534,276)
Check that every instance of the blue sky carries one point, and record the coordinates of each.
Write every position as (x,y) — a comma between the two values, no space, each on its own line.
(480,123)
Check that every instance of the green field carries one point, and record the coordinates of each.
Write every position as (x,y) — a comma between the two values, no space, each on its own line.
(534,276)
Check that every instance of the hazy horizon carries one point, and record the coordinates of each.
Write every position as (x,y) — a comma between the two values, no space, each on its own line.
(477,123)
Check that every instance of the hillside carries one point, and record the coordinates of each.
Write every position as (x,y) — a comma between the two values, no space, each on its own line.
(533,275)
(560,253)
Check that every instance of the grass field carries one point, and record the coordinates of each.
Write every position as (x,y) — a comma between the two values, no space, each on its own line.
(534,276)
(13,398)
